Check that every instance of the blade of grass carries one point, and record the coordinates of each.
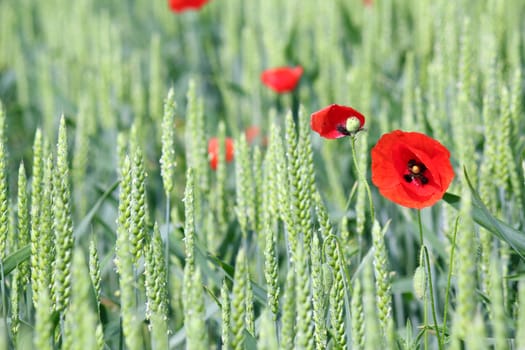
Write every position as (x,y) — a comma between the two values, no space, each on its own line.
(84,224)
(15,259)
(482,216)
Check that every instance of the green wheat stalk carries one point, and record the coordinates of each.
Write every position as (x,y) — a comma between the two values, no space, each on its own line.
(272,175)
(476,337)
(319,294)
(257,197)
(42,338)
(167,161)
(46,249)
(196,152)
(156,290)
(288,329)
(96,281)
(194,310)
(520,319)
(81,321)
(225,316)
(358,323)
(167,158)
(290,191)
(124,259)
(271,270)
(15,304)
(189,221)
(138,212)
(266,339)
(497,307)
(4,196)
(372,327)
(249,318)
(304,336)
(466,269)
(62,224)
(361,201)
(221,199)
(94,271)
(306,182)
(36,199)
(244,206)
(383,285)
(239,300)
(336,294)
(23,226)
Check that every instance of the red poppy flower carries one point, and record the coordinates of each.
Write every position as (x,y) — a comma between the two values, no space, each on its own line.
(213,151)
(368,3)
(411,169)
(336,121)
(252,133)
(184,5)
(282,79)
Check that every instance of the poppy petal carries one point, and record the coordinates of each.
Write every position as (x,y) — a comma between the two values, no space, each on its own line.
(184,5)
(282,79)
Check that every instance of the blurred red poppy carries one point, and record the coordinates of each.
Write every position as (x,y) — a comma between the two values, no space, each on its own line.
(213,151)
(252,133)
(336,121)
(282,79)
(184,5)
(411,169)
(368,3)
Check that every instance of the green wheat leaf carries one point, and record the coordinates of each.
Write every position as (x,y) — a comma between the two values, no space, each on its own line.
(250,343)
(15,259)
(21,255)
(84,224)
(482,216)
(258,292)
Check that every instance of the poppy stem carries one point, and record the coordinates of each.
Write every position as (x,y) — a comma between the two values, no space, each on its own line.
(362,179)
(430,286)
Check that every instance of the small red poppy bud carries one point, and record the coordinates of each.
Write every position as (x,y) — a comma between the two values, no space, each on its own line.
(337,121)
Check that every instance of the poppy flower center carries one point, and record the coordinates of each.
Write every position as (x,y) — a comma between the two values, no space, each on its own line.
(416,172)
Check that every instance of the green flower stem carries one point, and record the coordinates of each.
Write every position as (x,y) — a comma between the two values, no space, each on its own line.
(363,179)
(449,277)
(425,315)
(430,287)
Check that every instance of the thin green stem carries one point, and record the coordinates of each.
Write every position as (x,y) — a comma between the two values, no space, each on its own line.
(363,180)
(425,313)
(4,298)
(425,321)
(420,226)
(450,269)
(430,286)
(167,243)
